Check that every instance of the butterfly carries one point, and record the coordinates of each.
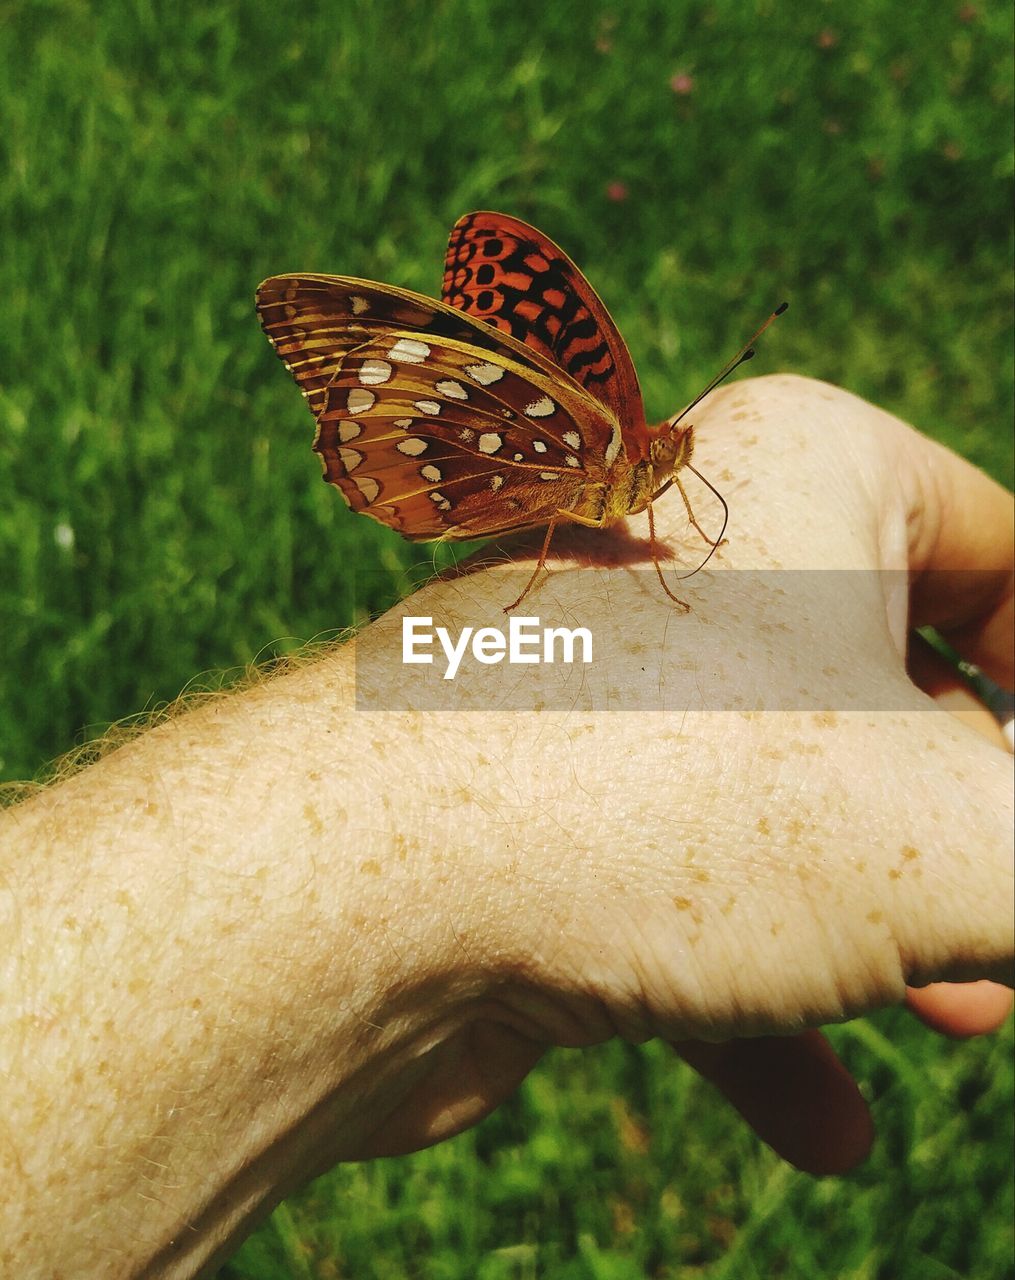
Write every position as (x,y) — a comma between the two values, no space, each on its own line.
(510,404)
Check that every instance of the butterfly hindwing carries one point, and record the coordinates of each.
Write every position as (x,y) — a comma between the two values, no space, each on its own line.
(506,273)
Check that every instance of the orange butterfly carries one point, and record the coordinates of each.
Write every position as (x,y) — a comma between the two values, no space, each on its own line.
(510,404)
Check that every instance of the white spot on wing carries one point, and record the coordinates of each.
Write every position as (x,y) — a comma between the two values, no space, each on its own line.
(572,461)
(403,423)
(439,501)
(358,303)
(573,439)
(428,406)
(539,446)
(519,457)
(613,448)
(367,486)
(409,350)
(351,458)
(467,434)
(485,374)
(349,430)
(490,442)
(548,475)
(496,482)
(431,473)
(359,401)
(541,408)
(374,372)
(413,447)
(452,389)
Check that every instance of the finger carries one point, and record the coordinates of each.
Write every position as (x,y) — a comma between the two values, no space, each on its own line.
(962,540)
(960,1009)
(794,1093)
(930,672)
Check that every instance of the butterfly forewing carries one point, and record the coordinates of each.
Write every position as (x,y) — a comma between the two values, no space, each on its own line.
(312,321)
(509,275)
(440,438)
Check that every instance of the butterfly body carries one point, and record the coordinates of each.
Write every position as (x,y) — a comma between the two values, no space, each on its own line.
(509,404)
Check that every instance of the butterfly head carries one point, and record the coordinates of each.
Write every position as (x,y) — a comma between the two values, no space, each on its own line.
(670,451)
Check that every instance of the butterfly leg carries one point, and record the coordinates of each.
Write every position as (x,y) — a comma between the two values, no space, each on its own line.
(690,514)
(655,554)
(572,517)
(539,565)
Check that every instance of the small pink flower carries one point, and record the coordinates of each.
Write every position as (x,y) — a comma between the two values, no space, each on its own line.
(682,83)
(616,191)
(828,38)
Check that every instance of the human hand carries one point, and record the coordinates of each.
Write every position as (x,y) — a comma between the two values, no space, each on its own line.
(290,926)
(777,828)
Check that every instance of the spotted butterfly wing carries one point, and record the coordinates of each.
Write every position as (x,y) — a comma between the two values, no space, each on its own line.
(431,421)
(504,272)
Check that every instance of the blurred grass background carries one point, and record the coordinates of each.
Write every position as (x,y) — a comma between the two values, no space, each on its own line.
(161,514)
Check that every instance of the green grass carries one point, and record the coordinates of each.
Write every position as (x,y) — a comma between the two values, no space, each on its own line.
(161,514)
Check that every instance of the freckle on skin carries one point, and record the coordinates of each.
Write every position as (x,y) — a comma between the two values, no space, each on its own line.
(702,876)
(682,904)
(895,874)
(909,853)
(313,819)
(371,867)
(763,827)
(826,720)
(875,917)
(775,930)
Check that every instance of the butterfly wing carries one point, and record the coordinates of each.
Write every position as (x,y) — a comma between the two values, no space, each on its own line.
(509,275)
(430,421)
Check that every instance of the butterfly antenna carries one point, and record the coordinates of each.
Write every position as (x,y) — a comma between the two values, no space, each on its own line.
(745,353)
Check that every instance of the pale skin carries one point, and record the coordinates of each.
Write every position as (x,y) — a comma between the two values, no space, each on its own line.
(282,930)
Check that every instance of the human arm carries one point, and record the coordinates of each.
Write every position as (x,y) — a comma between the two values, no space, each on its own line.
(283,930)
